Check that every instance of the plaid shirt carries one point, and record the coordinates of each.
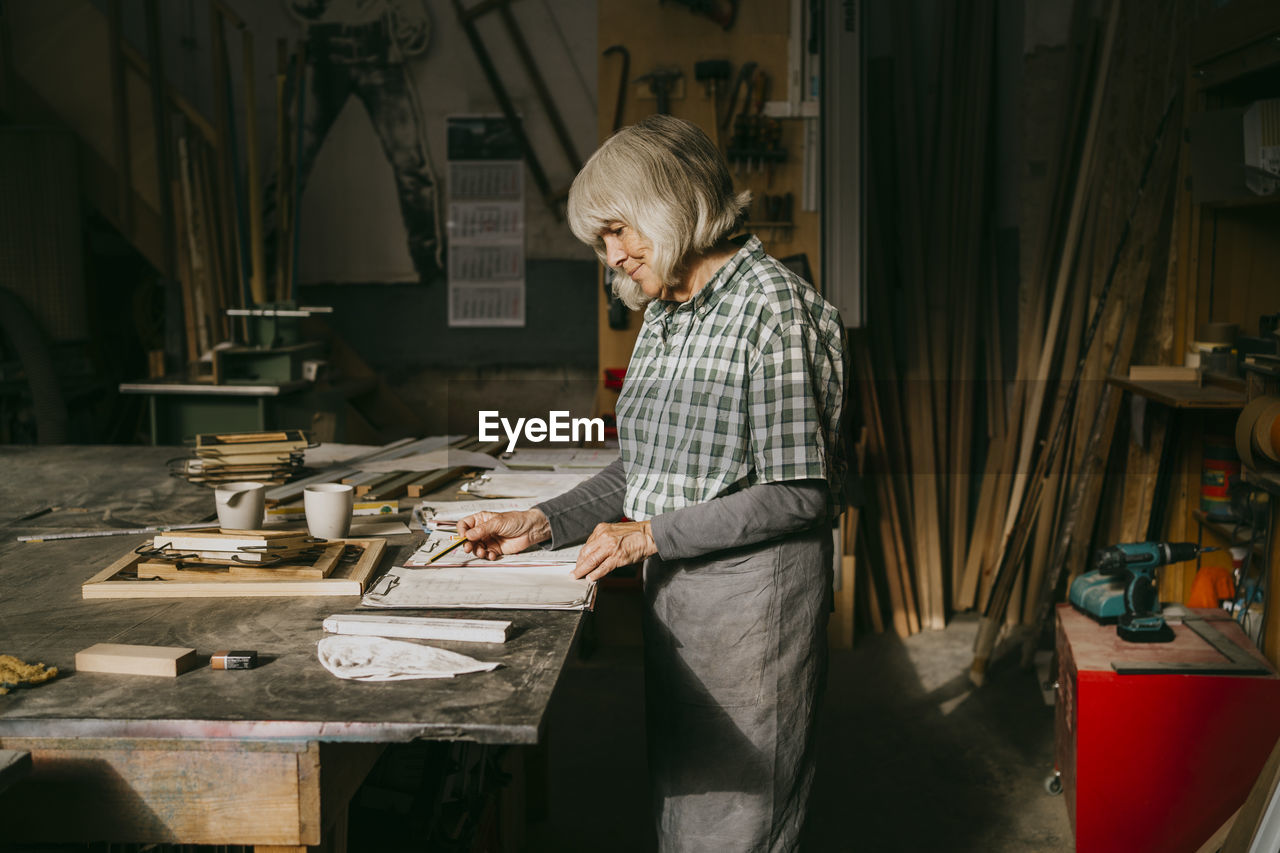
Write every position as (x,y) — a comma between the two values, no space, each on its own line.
(742,384)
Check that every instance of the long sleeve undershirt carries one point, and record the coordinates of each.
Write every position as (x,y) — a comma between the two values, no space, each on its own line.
(756,514)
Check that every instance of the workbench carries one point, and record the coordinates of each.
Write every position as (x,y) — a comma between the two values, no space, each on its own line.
(269,756)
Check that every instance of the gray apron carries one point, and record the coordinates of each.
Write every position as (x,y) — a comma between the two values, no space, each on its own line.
(735,655)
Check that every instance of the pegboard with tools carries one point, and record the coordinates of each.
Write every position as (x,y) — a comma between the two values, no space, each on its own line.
(739,77)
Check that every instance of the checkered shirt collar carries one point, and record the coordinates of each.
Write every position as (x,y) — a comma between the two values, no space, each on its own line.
(709,294)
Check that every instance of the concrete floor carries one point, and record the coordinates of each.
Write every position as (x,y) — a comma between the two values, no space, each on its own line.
(913,758)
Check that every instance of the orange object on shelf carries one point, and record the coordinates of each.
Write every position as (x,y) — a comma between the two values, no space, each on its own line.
(1212,586)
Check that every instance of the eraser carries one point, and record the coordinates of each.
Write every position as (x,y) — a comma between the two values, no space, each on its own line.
(243,659)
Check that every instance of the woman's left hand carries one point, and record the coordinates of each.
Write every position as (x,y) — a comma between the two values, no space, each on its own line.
(611,546)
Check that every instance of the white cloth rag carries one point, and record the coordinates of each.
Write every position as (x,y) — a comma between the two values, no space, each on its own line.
(378,659)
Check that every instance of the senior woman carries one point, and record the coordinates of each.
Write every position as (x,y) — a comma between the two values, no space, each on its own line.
(728,468)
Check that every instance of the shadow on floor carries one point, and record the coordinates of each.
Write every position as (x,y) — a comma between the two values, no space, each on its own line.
(912,757)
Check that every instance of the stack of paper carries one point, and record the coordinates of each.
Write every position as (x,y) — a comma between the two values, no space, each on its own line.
(536,579)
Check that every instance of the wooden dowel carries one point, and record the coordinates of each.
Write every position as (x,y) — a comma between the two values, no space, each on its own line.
(257,276)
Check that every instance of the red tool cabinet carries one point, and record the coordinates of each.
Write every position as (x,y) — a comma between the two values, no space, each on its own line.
(1155,762)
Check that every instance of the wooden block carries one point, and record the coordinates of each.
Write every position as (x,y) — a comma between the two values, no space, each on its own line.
(135,660)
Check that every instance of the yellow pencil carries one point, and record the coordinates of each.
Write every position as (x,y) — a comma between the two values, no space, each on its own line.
(446,549)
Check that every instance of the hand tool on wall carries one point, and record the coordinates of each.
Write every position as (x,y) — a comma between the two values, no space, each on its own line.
(745,74)
(711,73)
(756,137)
(1122,587)
(661,81)
(622,82)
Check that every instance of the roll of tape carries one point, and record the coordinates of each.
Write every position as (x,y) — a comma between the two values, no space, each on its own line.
(1254,431)
(1265,428)
(1244,430)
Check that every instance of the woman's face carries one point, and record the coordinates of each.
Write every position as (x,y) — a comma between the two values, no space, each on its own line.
(626,250)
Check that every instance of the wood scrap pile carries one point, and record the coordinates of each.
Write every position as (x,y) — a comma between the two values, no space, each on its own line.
(234,237)
(987,440)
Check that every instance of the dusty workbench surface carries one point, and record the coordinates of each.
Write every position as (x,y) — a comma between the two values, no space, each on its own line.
(43,618)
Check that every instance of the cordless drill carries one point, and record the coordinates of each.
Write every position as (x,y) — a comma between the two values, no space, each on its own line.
(1136,564)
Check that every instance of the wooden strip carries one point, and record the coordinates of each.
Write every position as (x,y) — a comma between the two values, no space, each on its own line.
(982,533)
(1056,482)
(863,566)
(920,404)
(841,624)
(1151,223)
(393,488)
(380,480)
(257,277)
(968,232)
(322,568)
(223,147)
(121,151)
(425,484)
(220,293)
(1045,362)
(183,272)
(1248,819)
(897,572)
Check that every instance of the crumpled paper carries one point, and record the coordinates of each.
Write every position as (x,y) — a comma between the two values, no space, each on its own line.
(378,659)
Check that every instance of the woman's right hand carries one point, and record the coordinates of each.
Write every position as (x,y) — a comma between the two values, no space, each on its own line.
(492,534)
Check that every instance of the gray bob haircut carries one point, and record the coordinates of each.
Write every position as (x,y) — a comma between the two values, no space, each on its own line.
(665,178)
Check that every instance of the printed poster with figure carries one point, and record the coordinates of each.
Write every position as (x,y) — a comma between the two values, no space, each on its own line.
(485,223)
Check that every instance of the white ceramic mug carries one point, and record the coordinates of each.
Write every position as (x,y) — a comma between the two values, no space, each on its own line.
(241,506)
(329,507)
